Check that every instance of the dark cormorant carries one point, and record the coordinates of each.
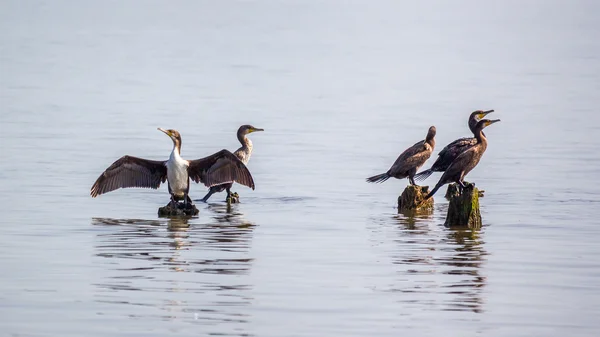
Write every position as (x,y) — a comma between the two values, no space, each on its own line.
(466,161)
(452,150)
(409,161)
(243,154)
(221,167)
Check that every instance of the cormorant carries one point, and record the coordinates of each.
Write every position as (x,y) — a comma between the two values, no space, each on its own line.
(452,150)
(243,154)
(466,161)
(127,171)
(409,161)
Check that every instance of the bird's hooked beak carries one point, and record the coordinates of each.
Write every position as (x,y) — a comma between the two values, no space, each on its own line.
(168,133)
(482,114)
(256,129)
(492,122)
(165,131)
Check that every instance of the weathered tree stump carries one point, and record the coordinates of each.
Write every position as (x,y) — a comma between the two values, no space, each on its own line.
(453,189)
(412,199)
(463,210)
(179,210)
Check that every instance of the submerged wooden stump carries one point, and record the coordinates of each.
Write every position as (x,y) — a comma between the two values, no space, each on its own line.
(463,210)
(179,210)
(412,199)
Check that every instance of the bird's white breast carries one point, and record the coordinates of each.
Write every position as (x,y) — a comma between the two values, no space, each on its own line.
(177,175)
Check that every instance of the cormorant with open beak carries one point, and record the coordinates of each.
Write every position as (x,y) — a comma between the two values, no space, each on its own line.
(466,161)
(452,150)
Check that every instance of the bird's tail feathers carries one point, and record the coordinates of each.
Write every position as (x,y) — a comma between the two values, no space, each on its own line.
(437,187)
(423,175)
(379,178)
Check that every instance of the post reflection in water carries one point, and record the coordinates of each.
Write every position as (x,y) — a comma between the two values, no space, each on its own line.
(465,265)
(177,270)
(441,267)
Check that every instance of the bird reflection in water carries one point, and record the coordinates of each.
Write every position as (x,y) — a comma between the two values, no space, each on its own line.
(177,231)
(187,271)
(427,252)
(465,266)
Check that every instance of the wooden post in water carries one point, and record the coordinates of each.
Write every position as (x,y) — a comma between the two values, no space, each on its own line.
(412,197)
(179,210)
(463,210)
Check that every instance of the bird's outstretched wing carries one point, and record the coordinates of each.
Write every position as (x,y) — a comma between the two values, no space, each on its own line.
(220,168)
(130,171)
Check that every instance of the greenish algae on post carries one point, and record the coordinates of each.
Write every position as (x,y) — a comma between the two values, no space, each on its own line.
(463,210)
(453,189)
(412,199)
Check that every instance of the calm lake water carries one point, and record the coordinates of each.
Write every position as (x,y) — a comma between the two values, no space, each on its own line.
(341,89)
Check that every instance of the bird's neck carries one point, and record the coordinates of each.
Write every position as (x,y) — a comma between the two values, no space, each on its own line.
(176,152)
(246,143)
(431,142)
(472,125)
(480,136)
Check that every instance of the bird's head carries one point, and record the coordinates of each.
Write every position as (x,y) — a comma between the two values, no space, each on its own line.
(246,129)
(174,135)
(431,133)
(482,124)
(476,116)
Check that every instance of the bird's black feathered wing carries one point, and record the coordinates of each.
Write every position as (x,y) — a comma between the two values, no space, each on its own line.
(220,168)
(452,150)
(130,171)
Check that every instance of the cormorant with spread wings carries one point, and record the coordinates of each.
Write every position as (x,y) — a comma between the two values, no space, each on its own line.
(219,168)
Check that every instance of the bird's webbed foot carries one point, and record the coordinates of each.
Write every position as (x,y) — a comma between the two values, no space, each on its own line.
(233,198)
